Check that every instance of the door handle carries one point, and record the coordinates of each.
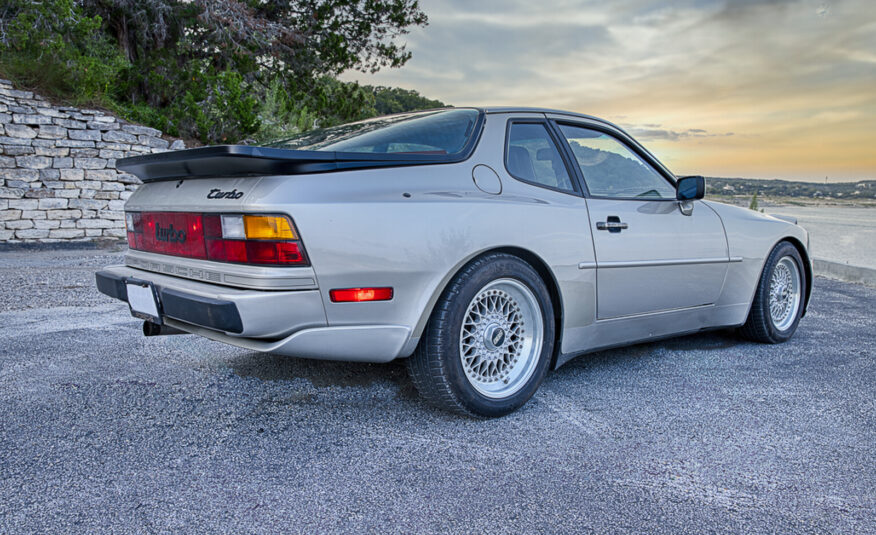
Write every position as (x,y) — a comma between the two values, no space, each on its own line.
(611,224)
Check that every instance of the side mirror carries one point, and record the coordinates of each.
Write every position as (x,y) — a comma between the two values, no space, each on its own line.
(689,188)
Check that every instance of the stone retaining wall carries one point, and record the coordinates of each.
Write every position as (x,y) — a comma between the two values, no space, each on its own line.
(58,180)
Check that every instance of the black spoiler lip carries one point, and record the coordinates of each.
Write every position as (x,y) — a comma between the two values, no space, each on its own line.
(247,160)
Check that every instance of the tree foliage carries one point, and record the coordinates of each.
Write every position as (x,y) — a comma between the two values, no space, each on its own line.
(396,100)
(210,69)
(56,46)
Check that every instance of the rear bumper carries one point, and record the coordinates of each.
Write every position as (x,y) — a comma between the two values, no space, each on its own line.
(283,322)
(216,314)
(236,312)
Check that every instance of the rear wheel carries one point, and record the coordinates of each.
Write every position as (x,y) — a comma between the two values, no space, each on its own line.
(488,344)
(778,301)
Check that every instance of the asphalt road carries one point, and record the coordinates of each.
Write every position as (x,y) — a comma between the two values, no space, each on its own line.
(103,430)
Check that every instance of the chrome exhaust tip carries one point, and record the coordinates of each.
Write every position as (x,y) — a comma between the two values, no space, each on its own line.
(154,329)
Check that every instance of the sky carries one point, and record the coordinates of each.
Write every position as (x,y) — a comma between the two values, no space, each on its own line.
(731,88)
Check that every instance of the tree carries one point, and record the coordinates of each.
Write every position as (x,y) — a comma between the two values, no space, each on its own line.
(195,56)
(753,204)
(201,68)
(396,100)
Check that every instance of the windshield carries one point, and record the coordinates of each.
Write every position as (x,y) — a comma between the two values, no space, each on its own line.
(437,132)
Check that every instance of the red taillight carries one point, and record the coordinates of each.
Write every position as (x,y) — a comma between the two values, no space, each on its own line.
(201,236)
(254,252)
(357,295)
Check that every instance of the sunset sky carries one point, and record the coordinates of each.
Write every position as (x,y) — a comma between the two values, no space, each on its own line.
(735,88)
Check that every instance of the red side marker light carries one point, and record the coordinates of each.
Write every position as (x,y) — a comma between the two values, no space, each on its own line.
(358,295)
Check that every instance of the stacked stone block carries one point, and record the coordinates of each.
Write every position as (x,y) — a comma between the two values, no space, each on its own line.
(58,177)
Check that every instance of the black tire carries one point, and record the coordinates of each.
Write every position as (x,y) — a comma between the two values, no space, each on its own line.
(436,367)
(760,326)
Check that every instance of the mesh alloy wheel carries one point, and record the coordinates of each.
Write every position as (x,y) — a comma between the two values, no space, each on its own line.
(784,293)
(489,340)
(779,297)
(501,338)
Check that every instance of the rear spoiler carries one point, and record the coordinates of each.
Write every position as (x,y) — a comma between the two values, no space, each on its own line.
(246,160)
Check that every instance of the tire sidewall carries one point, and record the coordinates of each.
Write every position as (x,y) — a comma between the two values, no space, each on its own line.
(783,250)
(505,267)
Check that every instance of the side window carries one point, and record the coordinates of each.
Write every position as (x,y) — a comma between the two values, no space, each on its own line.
(532,156)
(611,169)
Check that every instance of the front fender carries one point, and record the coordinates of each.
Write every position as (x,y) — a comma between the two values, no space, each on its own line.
(751,236)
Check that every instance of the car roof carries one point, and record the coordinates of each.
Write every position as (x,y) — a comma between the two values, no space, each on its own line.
(520,109)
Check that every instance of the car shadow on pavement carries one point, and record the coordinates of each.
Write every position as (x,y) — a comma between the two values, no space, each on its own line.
(322,373)
(643,352)
(325,373)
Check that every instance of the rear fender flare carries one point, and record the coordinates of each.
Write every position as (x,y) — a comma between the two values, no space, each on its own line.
(527,256)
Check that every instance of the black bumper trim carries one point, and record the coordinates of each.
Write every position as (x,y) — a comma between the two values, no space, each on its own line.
(205,311)
(202,311)
(111,285)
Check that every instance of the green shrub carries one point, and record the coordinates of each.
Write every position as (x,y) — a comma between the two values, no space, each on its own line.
(217,107)
(53,47)
(327,103)
(281,116)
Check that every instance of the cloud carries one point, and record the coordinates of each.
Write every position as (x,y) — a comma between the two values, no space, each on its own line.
(711,73)
(653,132)
(469,61)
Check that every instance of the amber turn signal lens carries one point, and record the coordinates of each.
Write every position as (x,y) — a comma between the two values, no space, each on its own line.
(262,227)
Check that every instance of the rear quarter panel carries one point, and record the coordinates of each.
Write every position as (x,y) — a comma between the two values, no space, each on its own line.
(361,229)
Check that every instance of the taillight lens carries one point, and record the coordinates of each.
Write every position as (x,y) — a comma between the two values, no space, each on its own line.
(239,238)
(262,227)
(134,226)
(232,227)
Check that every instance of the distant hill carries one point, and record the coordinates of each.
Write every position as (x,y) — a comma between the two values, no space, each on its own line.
(615,169)
(864,189)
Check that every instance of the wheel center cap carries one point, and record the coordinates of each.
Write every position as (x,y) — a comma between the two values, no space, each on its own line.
(494,336)
(782,291)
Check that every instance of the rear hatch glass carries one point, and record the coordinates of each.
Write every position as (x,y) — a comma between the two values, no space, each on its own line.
(437,132)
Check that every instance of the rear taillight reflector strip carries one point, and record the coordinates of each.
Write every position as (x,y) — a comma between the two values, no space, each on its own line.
(270,240)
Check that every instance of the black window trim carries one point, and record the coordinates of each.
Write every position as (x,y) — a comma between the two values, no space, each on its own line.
(558,143)
(638,151)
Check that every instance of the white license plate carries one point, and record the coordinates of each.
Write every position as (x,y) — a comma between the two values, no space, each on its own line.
(142,299)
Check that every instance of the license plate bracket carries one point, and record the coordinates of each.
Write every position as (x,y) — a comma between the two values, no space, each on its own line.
(143,300)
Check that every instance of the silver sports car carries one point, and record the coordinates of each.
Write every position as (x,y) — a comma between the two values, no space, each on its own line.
(485,246)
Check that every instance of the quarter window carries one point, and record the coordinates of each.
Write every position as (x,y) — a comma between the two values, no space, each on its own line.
(532,156)
(611,169)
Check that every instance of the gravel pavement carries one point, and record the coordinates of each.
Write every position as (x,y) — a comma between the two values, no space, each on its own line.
(103,430)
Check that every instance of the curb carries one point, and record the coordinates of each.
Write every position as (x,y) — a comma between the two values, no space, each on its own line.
(845,272)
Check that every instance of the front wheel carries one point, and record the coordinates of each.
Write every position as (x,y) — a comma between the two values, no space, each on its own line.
(488,343)
(778,301)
